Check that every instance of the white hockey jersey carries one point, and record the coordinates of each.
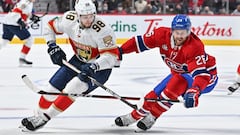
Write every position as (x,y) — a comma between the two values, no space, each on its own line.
(23,9)
(95,44)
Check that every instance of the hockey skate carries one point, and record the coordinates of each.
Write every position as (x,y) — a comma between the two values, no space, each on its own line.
(24,62)
(147,122)
(125,120)
(35,122)
(232,88)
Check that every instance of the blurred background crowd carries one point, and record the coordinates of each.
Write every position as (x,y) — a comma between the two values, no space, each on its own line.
(198,7)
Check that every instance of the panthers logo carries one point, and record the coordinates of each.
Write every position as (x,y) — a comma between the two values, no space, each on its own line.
(84,53)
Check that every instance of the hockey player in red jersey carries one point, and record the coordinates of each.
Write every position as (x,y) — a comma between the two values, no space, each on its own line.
(15,24)
(193,71)
(96,53)
(232,88)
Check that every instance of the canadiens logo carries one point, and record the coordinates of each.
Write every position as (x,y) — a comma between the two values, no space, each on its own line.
(181,68)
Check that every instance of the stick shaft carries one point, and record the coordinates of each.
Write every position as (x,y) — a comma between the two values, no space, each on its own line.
(102,86)
(35,89)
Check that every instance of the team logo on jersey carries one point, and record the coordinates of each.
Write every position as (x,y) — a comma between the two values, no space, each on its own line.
(181,68)
(164,47)
(108,41)
(84,54)
(83,51)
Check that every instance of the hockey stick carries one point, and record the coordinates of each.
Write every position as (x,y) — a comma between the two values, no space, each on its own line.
(134,106)
(35,89)
(35,25)
(115,94)
(46,12)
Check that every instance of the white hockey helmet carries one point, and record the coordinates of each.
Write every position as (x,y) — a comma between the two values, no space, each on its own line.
(85,7)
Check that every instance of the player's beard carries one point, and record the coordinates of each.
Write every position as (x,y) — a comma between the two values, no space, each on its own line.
(87,23)
(179,41)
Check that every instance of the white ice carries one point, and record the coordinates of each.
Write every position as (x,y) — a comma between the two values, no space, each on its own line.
(217,114)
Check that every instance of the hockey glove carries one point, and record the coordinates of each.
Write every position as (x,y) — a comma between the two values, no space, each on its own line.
(56,54)
(35,18)
(191,97)
(21,23)
(87,69)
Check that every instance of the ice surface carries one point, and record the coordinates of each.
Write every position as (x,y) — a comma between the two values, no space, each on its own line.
(218,113)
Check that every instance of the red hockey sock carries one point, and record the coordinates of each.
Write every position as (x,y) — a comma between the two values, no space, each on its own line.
(44,103)
(154,107)
(63,102)
(137,114)
(25,49)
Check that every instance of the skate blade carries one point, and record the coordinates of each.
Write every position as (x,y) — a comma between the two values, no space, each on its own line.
(138,130)
(229,93)
(114,125)
(25,65)
(24,129)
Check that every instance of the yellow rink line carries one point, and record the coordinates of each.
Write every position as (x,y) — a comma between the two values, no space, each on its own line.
(122,40)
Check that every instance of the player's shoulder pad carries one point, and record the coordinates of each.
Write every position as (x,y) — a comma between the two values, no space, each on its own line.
(100,26)
(69,17)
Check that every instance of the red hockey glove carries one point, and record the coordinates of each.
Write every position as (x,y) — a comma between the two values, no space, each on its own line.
(191,97)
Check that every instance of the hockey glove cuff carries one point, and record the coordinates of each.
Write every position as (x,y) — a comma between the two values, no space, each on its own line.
(35,18)
(87,69)
(191,97)
(56,54)
(21,23)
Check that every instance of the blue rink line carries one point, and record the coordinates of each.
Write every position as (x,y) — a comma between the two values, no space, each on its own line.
(114,116)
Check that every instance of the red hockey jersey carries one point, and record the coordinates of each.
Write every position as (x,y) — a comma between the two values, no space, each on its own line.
(188,58)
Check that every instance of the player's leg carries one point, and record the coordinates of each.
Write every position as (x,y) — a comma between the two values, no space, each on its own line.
(232,88)
(61,103)
(175,87)
(150,111)
(56,84)
(78,87)
(135,115)
(24,34)
(7,36)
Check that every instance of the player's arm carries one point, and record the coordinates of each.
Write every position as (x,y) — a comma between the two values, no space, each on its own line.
(58,26)
(196,60)
(109,51)
(141,43)
(19,16)
(197,67)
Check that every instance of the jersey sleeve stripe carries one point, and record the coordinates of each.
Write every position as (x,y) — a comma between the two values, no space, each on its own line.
(141,44)
(23,16)
(199,71)
(51,25)
(211,68)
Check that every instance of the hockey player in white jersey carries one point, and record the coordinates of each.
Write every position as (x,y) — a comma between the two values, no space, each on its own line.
(96,53)
(15,24)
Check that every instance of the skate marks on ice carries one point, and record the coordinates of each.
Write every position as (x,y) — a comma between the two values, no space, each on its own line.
(169,124)
(123,131)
